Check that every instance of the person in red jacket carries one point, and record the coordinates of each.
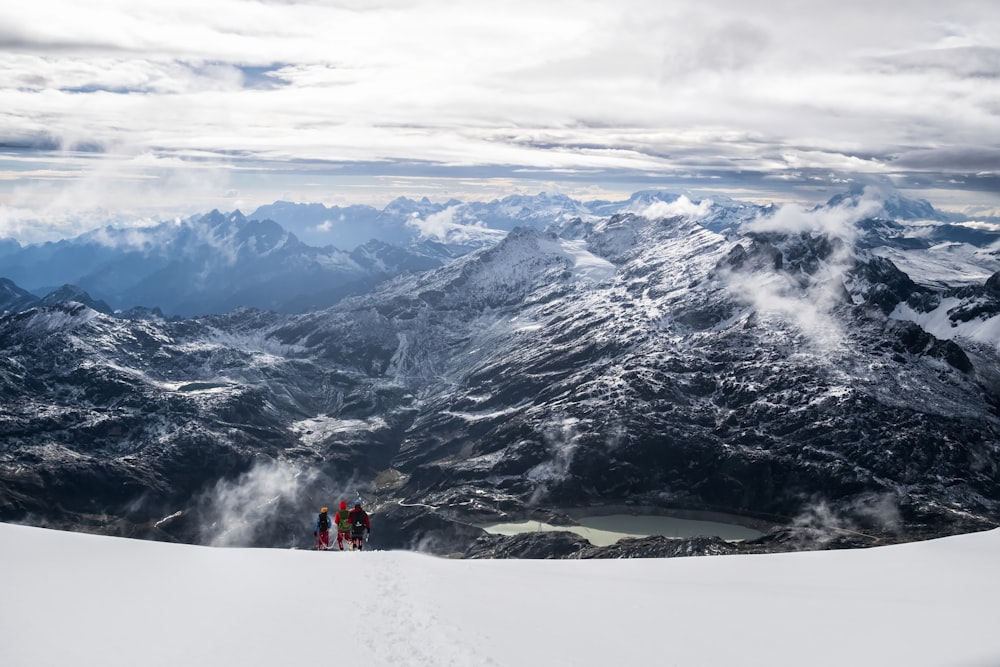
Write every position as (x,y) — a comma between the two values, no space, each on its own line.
(360,526)
(343,520)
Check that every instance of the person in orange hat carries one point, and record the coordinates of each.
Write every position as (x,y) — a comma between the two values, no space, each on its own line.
(322,530)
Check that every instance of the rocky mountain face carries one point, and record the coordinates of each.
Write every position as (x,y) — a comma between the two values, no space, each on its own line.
(13,298)
(660,363)
(211,264)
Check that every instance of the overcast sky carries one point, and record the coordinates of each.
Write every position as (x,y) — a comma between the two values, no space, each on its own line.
(126,108)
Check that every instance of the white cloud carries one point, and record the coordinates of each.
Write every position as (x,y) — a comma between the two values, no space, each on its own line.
(235,510)
(560,87)
(126,191)
(682,207)
(443,227)
(780,297)
(436,225)
(834,221)
(806,301)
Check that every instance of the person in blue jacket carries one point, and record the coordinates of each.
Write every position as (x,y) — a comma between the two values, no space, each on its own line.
(322,530)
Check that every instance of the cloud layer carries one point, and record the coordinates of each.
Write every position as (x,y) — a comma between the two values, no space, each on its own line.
(804,301)
(591,91)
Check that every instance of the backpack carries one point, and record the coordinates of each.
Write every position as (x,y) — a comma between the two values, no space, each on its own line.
(324,523)
(359,521)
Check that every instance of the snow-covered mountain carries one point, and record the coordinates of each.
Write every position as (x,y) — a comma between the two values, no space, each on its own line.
(217,262)
(891,205)
(405,221)
(637,360)
(13,298)
(210,264)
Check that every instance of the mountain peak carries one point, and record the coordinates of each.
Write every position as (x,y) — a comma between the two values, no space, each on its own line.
(894,205)
(14,298)
(215,217)
(72,293)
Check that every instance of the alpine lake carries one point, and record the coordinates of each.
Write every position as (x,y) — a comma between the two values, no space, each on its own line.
(606,530)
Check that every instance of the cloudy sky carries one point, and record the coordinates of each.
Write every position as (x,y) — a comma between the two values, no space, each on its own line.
(119,109)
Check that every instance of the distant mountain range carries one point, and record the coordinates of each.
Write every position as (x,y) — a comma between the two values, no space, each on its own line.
(297,257)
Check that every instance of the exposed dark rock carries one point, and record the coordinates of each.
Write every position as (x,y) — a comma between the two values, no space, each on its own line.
(69,294)
(977,302)
(508,380)
(565,544)
(14,299)
(395,526)
(915,341)
(543,544)
(993,284)
(883,285)
(662,547)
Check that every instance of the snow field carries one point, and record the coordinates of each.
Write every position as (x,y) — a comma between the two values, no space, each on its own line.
(83,600)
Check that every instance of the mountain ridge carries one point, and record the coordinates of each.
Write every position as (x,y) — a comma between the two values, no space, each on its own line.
(641,361)
(219,261)
(626,360)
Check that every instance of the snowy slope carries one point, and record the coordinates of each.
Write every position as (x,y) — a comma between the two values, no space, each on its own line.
(97,601)
(945,264)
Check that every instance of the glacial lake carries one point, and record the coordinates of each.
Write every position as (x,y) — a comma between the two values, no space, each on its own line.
(602,531)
